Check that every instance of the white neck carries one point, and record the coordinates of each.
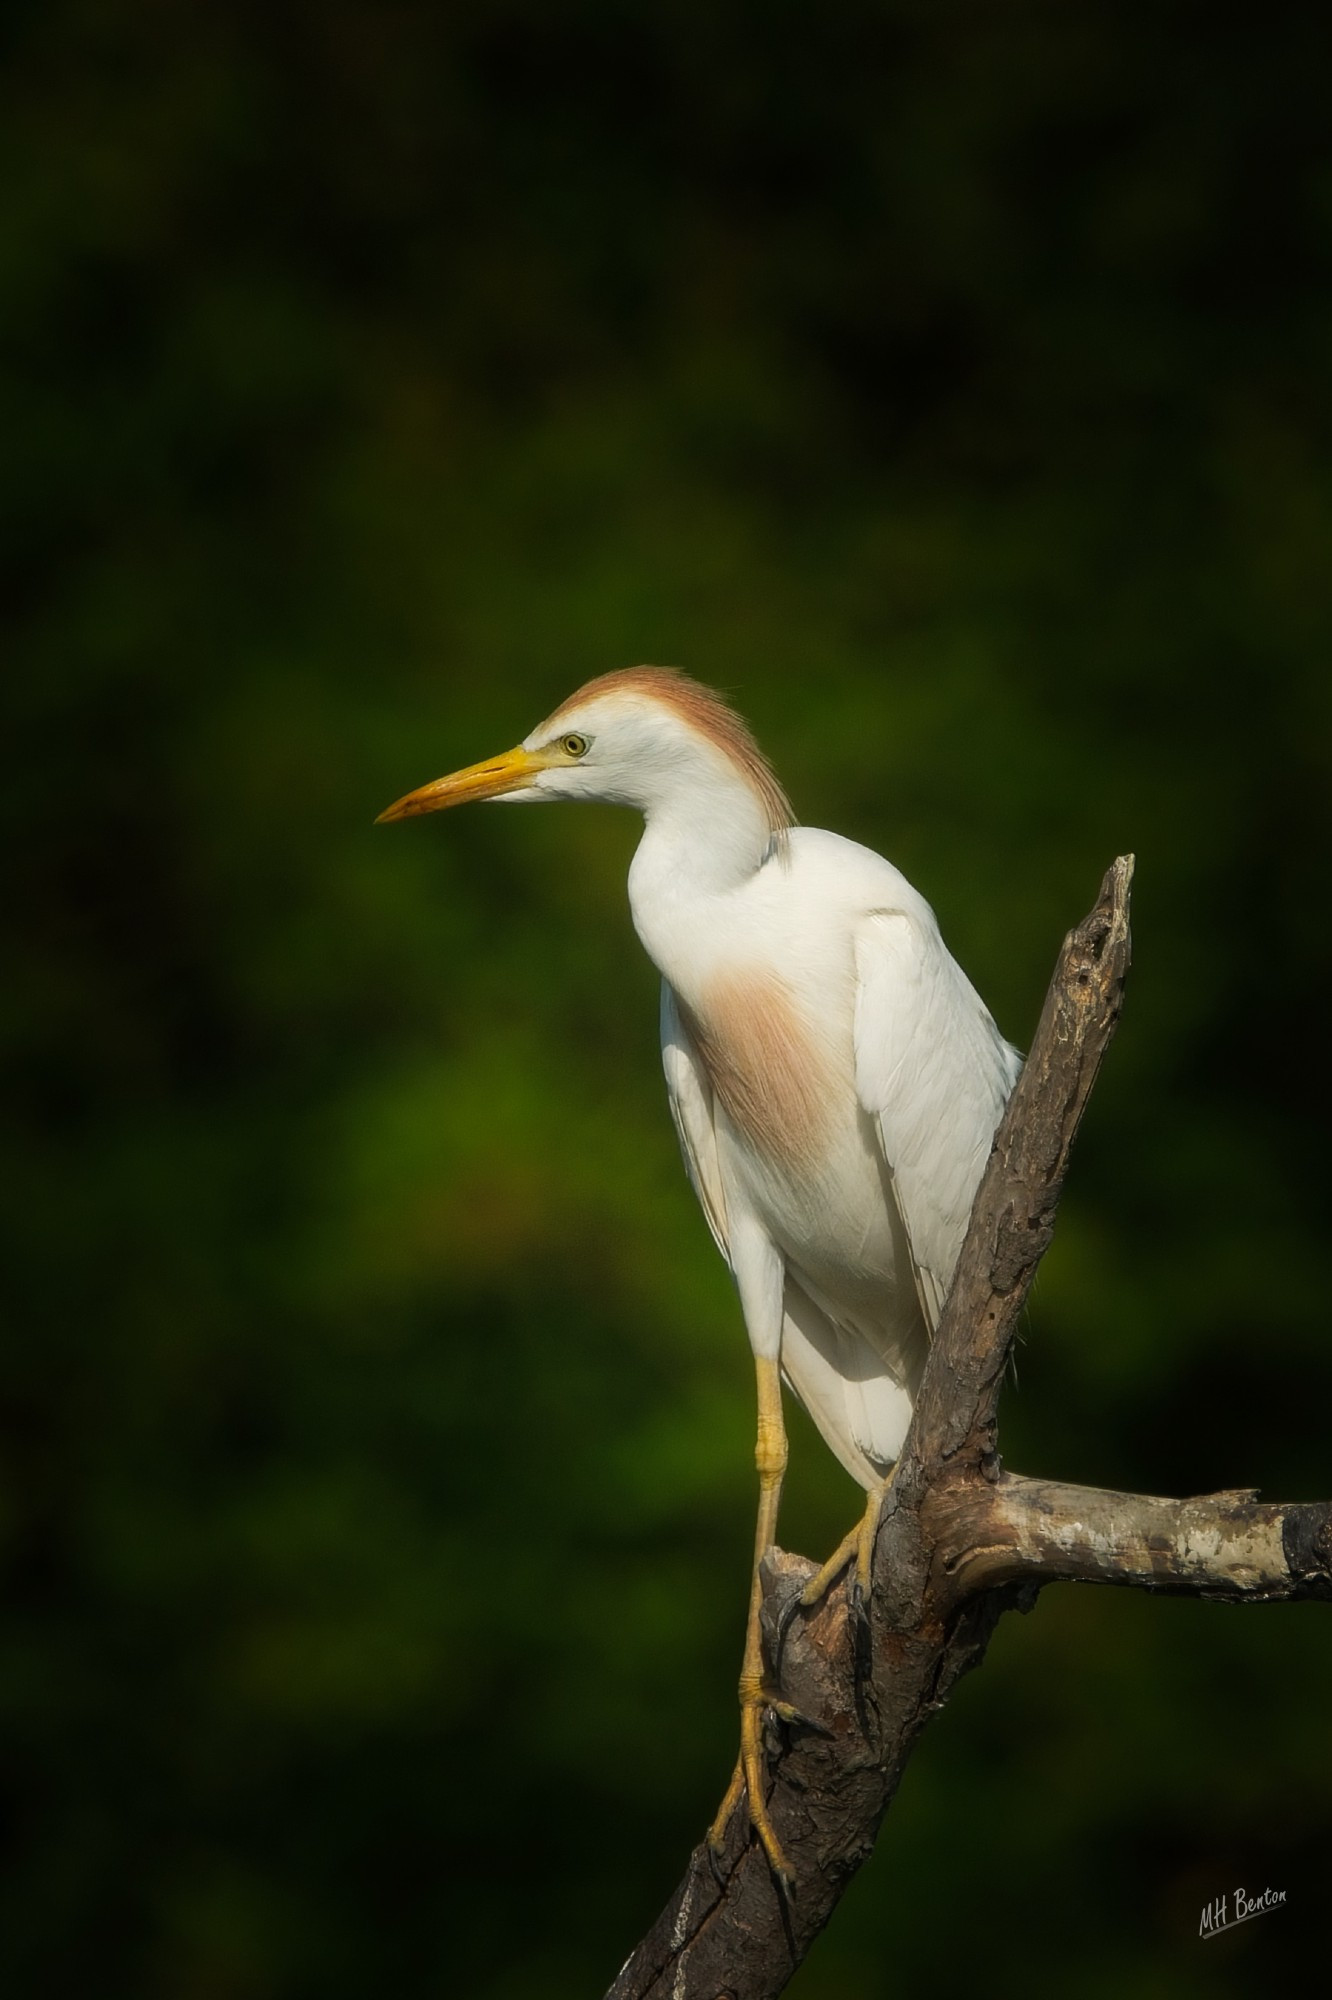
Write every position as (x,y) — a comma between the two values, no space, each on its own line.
(706,832)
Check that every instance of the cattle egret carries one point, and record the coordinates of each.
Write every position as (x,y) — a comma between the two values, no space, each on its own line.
(835,1080)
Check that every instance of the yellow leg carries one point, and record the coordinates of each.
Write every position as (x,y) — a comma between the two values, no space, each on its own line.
(858,1544)
(770,1458)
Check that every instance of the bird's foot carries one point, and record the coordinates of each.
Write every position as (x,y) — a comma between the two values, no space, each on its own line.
(855,1550)
(824,1578)
(747,1780)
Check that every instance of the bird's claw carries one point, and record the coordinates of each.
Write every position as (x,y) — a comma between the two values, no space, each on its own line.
(748,1778)
(854,1551)
(859,1628)
(783,1622)
(824,1578)
(796,1718)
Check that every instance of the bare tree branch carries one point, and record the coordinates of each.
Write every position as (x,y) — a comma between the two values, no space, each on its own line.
(960,1541)
(1012,1219)
(1222,1546)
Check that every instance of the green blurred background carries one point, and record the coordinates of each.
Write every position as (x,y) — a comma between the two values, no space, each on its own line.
(950,385)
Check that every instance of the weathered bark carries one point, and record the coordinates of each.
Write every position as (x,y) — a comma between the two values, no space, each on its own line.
(960,1541)
(1012,1219)
(1223,1546)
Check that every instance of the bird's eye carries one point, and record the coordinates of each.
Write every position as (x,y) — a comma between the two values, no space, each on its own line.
(575,745)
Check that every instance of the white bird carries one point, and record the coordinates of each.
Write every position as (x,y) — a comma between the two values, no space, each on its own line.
(835,1079)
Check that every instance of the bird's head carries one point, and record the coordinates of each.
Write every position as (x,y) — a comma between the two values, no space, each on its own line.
(644,737)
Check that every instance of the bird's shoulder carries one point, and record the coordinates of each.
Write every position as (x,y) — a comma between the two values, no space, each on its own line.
(851,878)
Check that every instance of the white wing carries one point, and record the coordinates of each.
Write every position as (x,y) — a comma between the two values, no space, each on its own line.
(935,1073)
(838,1376)
(690,1096)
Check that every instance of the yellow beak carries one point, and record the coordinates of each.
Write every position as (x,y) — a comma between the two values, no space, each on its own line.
(488,780)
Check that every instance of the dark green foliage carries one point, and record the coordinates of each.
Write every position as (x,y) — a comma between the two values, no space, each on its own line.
(950,384)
